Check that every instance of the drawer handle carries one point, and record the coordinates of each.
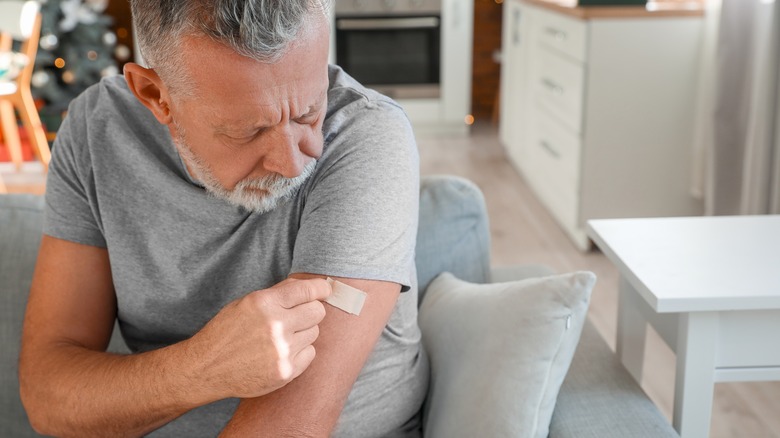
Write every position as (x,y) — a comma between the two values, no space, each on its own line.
(551,150)
(552,86)
(557,34)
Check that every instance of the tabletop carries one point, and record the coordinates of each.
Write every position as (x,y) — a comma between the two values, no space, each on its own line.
(694,264)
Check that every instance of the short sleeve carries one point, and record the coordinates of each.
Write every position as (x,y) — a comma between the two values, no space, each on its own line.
(361,209)
(71,202)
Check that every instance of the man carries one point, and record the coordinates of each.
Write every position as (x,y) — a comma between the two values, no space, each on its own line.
(201,202)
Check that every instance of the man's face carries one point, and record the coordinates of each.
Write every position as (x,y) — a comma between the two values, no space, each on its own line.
(251,132)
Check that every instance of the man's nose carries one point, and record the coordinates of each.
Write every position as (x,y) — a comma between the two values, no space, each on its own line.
(283,155)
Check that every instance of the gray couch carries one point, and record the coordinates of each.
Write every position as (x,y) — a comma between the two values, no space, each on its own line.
(598,398)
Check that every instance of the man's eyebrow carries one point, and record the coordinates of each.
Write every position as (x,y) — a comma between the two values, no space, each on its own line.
(223,126)
(231,129)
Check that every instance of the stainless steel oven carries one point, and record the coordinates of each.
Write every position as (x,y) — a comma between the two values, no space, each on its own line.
(393,46)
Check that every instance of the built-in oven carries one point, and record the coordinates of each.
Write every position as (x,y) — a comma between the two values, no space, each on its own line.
(393,46)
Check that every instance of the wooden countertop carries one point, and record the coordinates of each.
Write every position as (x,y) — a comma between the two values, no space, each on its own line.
(659,8)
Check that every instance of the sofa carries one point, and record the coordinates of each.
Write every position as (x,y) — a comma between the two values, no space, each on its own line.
(597,397)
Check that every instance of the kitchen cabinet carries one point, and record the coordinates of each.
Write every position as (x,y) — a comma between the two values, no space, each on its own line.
(597,111)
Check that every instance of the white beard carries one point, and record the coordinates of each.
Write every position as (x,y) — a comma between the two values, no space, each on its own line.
(260,195)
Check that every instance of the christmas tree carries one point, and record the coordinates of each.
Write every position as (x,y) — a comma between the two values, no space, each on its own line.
(77,48)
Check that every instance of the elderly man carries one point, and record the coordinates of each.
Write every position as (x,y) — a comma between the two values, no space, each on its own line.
(201,202)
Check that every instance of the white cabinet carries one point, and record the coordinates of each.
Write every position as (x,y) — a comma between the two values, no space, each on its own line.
(514,90)
(597,114)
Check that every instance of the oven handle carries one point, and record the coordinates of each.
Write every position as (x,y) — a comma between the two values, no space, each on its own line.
(387,23)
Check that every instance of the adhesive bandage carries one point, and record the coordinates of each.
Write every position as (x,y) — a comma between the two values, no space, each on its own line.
(346,297)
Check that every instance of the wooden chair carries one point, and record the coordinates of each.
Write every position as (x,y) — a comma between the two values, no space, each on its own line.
(21,21)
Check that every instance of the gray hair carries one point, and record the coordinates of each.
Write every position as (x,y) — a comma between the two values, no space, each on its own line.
(258,29)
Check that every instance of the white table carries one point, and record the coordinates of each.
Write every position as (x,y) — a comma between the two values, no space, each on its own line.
(710,286)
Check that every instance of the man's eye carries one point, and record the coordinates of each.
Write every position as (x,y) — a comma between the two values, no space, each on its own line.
(306,119)
(242,138)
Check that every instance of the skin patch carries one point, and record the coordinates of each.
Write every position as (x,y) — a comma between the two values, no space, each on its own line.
(346,297)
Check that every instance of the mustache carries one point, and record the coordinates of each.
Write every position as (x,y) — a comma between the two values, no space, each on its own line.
(274,182)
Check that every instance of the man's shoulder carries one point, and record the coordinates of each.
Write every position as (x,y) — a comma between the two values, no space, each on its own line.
(355,111)
(347,98)
(365,133)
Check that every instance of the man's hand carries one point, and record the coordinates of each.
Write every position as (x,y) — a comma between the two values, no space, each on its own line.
(262,341)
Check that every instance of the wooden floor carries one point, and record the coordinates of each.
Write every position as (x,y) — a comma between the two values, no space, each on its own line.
(523,232)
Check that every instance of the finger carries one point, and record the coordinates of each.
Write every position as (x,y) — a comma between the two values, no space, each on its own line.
(302,360)
(303,339)
(304,291)
(304,316)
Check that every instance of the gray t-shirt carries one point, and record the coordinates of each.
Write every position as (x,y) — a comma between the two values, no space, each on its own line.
(178,255)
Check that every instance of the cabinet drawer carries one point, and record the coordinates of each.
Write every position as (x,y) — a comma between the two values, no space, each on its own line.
(555,154)
(564,34)
(558,85)
(561,147)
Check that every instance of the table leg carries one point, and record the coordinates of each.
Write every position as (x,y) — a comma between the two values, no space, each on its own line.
(695,379)
(631,330)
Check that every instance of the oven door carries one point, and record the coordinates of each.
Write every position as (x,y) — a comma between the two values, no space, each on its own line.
(398,56)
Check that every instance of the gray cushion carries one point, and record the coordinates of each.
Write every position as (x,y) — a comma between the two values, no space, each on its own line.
(20,234)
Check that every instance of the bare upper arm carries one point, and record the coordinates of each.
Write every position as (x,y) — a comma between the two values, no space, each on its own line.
(311,404)
(72,297)
(346,340)
(339,327)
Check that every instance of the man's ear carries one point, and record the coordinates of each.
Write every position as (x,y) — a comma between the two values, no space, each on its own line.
(150,90)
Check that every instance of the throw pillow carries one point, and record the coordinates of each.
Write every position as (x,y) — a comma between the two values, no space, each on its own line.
(499,352)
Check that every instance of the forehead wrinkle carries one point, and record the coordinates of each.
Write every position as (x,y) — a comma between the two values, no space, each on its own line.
(264,119)
(268,113)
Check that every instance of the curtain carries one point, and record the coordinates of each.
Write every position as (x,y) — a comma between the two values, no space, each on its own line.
(742,174)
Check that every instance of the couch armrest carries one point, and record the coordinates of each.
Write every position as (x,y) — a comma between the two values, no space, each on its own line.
(598,398)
